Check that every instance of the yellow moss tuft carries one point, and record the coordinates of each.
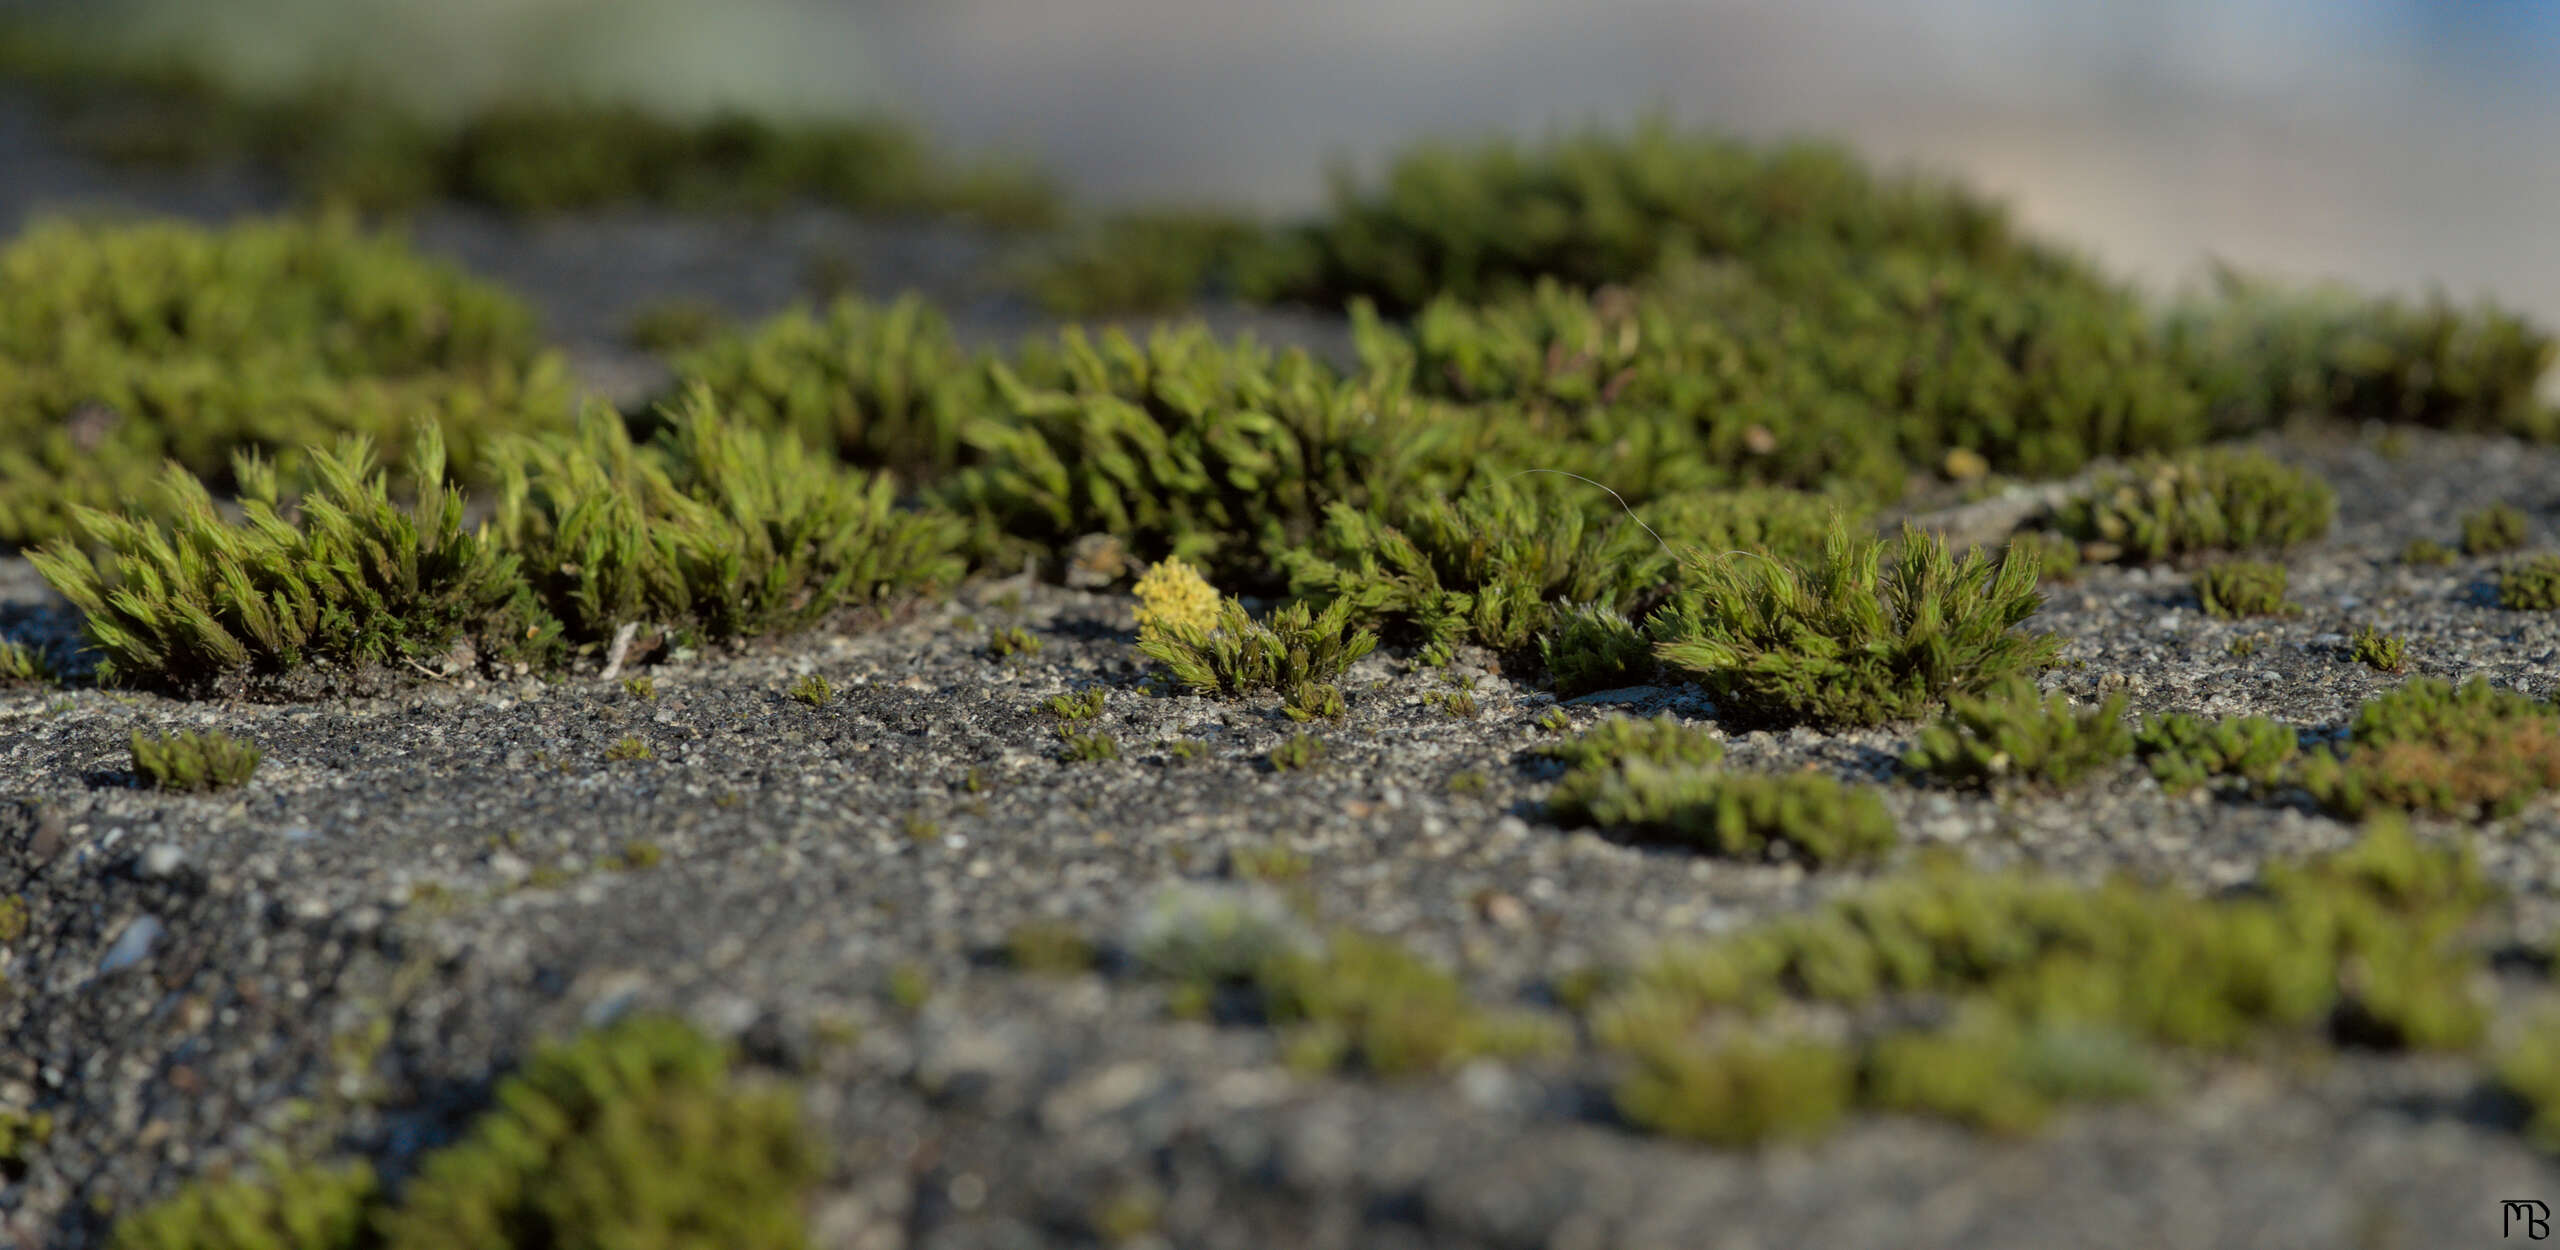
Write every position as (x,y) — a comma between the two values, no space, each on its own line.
(1173,595)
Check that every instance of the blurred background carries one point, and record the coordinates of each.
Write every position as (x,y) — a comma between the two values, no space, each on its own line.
(2396,143)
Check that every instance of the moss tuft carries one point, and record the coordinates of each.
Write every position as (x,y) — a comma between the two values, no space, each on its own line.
(2232,589)
(2200,501)
(2012,733)
(2185,752)
(2531,584)
(2378,651)
(1239,655)
(193,762)
(2494,530)
(1843,642)
(2473,750)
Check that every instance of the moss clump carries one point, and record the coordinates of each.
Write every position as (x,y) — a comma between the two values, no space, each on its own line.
(2530,585)
(1172,594)
(338,143)
(1147,262)
(1810,817)
(677,324)
(1007,641)
(2201,501)
(880,387)
(126,346)
(1618,740)
(1798,370)
(1744,1092)
(1082,706)
(1590,649)
(2469,751)
(634,1135)
(2053,991)
(1843,641)
(2232,589)
(1239,655)
(1048,947)
(1087,748)
(2530,1070)
(191,761)
(2262,353)
(1492,566)
(2426,553)
(2011,733)
(25,662)
(2378,651)
(2494,530)
(1219,453)
(1597,208)
(355,581)
(1371,1004)
(1300,753)
(287,1208)
(2185,752)
(712,530)
(813,690)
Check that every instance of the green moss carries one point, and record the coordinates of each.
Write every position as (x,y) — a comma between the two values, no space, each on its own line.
(1797,369)
(1088,748)
(1811,817)
(713,529)
(1219,453)
(674,324)
(1300,753)
(633,1135)
(2201,501)
(1145,262)
(2262,353)
(23,662)
(1844,640)
(2051,992)
(1742,1092)
(2529,1069)
(13,918)
(1272,862)
(1596,208)
(124,346)
(1048,947)
(1072,708)
(2494,530)
(813,690)
(1313,701)
(1618,740)
(880,386)
(2012,733)
(643,688)
(2426,553)
(628,749)
(2531,584)
(192,761)
(2378,651)
(1372,1004)
(1007,641)
(2185,752)
(355,580)
(2057,557)
(22,1134)
(1989,1072)
(2231,589)
(2473,750)
(338,143)
(1239,655)
(287,1208)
